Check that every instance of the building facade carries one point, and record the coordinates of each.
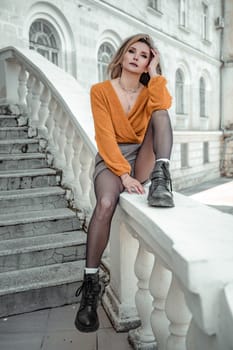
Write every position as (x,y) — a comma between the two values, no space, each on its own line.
(195,43)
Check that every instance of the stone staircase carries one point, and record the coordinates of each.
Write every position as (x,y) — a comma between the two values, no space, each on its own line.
(42,245)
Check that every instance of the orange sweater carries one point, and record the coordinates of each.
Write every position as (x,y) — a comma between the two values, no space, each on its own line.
(113,126)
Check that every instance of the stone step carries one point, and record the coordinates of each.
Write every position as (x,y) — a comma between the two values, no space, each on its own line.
(22,253)
(28,178)
(25,145)
(39,287)
(8,120)
(37,223)
(22,161)
(32,199)
(13,132)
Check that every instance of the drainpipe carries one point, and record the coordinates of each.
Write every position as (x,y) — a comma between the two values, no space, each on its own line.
(221,121)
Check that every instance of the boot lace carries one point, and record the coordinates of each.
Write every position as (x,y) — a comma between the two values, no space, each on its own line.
(89,293)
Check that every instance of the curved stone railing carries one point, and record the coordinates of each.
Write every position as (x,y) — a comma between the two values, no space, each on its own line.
(59,112)
(175,265)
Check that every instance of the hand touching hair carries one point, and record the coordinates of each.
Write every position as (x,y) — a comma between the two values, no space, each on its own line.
(115,66)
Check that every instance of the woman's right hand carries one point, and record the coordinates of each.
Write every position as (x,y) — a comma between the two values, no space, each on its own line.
(152,68)
(131,184)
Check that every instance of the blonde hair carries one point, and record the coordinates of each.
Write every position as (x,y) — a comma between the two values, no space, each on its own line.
(115,66)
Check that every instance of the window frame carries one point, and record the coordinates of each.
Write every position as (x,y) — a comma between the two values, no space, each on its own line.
(103,64)
(45,40)
(202,97)
(205,21)
(155,6)
(184,155)
(179,92)
(183,13)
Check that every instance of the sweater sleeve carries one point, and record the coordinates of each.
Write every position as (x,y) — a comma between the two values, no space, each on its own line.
(159,96)
(105,134)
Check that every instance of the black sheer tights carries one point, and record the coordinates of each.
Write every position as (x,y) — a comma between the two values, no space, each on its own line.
(157,141)
(107,190)
(157,144)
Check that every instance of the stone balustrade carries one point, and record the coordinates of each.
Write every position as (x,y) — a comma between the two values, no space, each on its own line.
(58,111)
(171,269)
(184,273)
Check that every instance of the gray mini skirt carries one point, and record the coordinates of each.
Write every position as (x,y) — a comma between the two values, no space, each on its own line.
(129,151)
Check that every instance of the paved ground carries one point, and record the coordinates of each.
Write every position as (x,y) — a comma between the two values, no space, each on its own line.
(217,193)
(53,329)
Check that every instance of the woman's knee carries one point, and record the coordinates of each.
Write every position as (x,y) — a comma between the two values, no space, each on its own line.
(163,113)
(105,206)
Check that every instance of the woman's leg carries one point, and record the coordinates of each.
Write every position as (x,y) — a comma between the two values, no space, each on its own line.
(157,145)
(107,189)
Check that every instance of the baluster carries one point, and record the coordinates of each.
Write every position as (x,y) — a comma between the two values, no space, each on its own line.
(50,120)
(22,87)
(36,90)
(179,316)
(84,178)
(55,135)
(159,286)
(30,83)
(49,124)
(44,112)
(63,123)
(68,175)
(92,192)
(143,337)
(76,186)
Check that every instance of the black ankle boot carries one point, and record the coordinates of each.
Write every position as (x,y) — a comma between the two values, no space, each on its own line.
(87,318)
(160,190)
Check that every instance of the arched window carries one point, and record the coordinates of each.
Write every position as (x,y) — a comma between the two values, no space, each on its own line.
(202,95)
(179,92)
(44,39)
(105,54)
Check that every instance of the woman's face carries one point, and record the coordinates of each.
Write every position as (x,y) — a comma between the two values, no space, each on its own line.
(137,58)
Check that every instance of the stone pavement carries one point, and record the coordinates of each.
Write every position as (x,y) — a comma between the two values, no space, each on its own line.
(217,193)
(53,329)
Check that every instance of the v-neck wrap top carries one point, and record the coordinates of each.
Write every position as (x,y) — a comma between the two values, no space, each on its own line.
(114,126)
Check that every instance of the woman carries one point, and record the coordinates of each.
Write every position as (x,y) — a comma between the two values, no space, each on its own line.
(134,140)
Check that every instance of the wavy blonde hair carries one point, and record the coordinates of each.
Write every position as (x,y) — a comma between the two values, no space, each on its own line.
(115,66)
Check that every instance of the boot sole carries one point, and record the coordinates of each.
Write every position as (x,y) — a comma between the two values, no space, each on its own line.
(156,202)
(86,329)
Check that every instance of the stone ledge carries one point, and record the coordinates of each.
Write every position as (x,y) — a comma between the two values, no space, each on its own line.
(194,241)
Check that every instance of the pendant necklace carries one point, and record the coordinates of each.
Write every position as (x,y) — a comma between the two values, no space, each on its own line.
(129,93)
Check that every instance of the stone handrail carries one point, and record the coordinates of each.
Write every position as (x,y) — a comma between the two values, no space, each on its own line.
(178,262)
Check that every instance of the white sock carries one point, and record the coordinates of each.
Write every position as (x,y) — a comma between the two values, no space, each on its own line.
(163,159)
(91,270)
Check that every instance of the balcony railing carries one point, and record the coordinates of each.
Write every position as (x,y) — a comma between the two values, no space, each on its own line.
(171,269)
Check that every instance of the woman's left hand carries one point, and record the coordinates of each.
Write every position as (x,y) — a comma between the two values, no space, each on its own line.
(131,184)
(153,63)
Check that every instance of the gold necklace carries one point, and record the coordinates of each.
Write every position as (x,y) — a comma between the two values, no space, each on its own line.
(129,91)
